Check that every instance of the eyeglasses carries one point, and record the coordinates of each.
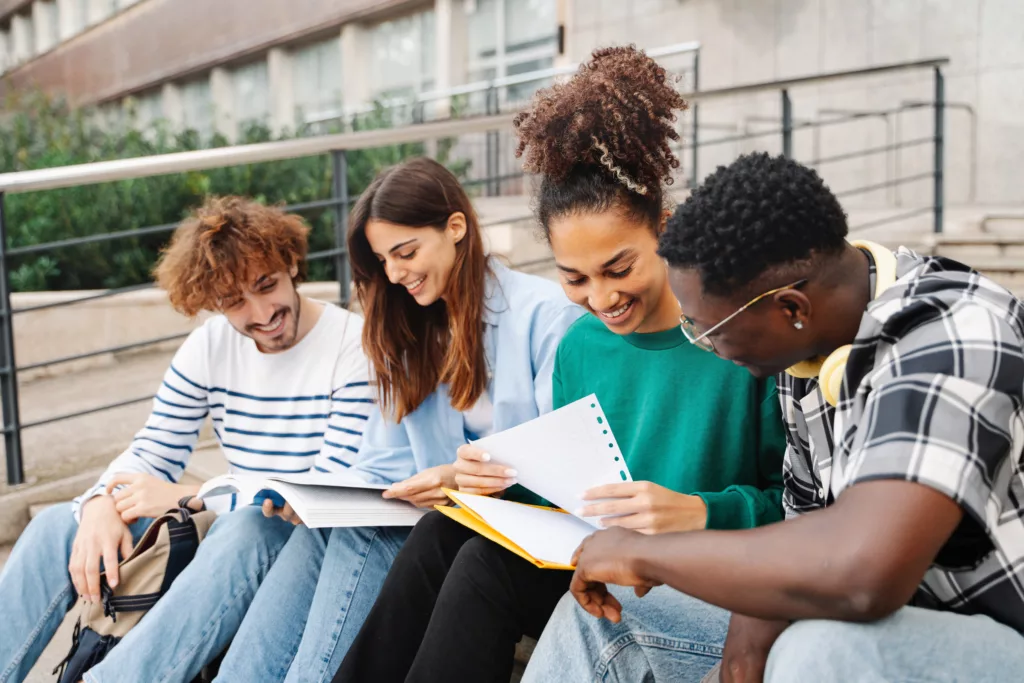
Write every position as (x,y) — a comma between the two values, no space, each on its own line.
(701,340)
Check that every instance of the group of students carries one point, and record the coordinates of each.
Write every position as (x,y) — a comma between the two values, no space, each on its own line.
(860,518)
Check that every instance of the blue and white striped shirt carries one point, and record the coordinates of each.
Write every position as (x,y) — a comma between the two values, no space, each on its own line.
(271,413)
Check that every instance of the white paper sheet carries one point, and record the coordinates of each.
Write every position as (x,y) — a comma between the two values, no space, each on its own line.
(562,454)
(545,534)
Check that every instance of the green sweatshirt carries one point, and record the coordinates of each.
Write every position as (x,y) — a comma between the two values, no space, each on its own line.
(684,418)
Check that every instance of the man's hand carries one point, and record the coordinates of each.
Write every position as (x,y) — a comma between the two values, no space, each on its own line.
(645,507)
(603,558)
(424,490)
(144,495)
(287,513)
(475,473)
(746,648)
(101,535)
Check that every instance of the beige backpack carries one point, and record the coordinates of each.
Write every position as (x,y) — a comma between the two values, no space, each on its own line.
(166,548)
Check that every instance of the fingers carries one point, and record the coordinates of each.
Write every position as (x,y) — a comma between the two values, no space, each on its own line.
(612,608)
(288,514)
(110,563)
(268,508)
(642,522)
(626,489)
(621,506)
(76,568)
(429,499)
(92,574)
(470,452)
(410,487)
(122,479)
(482,486)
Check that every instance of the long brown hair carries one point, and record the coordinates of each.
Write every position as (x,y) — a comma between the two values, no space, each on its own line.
(415,348)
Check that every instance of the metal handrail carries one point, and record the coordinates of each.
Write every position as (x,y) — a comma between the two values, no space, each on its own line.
(179,162)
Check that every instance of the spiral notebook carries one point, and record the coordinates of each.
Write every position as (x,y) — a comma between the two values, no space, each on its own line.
(559,456)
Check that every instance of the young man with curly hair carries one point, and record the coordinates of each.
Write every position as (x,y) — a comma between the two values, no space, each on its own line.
(285,383)
(901,379)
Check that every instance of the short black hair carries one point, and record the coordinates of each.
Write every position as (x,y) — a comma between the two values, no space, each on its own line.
(758,213)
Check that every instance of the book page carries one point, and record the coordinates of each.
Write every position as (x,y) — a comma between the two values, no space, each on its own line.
(562,454)
(547,535)
(344,479)
(332,506)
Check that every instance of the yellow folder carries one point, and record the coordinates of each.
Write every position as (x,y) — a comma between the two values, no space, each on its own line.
(468,518)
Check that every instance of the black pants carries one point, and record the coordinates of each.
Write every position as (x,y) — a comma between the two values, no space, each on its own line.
(453,607)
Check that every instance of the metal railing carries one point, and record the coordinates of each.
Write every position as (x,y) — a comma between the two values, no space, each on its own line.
(339,147)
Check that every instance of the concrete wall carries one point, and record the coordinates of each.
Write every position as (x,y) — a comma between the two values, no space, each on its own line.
(757,40)
(164,39)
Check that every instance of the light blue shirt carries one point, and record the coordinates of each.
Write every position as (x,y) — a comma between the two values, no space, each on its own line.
(525,317)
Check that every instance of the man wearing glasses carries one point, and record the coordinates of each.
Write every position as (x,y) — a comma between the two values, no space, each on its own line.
(902,388)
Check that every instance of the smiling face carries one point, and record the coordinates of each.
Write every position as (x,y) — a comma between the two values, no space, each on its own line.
(762,339)
(268,313)
(419,259)
(609,265)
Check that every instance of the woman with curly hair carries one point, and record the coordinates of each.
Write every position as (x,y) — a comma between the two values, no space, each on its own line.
(702,438)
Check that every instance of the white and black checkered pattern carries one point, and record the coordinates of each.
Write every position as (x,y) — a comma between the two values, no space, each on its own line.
(937,372)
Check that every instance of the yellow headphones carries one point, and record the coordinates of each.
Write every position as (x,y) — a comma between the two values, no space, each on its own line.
(830,370)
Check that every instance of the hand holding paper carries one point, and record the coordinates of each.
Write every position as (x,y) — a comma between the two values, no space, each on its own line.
(476,474)
(645,507)
(561,455)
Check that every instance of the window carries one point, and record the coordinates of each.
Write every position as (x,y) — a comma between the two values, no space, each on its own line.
(80,10)
(22,38)
(44,16)
(5,50)
(316,79)
(402,56)
(250,84)
(510,37)
(197,107)
(146,109)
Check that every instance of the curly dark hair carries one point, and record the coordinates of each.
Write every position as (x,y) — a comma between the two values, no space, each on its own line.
(758,213)
(602,138)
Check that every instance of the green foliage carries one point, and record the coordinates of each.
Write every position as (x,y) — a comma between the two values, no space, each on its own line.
(40,132)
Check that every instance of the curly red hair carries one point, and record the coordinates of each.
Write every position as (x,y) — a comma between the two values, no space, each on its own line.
(222,246)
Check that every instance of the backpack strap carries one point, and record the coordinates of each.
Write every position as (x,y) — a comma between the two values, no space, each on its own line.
(184,541)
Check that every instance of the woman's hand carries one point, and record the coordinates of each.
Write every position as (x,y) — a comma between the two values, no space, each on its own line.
(645,507)
(475,473)
(424,489)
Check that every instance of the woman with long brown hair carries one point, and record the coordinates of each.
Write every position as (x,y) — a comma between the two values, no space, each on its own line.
(460,347)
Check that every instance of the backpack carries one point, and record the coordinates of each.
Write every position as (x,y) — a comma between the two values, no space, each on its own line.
(166,548)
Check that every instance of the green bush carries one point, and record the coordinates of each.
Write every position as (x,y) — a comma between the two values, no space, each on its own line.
(40,132)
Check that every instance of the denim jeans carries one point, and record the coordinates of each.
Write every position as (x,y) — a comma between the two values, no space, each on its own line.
(197,617)
(665,636)
(312,605)
(670,636)
(36,589)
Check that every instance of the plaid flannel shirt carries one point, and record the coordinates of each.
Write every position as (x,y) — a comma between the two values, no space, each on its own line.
(933,393)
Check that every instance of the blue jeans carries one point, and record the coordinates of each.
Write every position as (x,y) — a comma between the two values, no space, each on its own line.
(671,636)
(36,589)
(312,605)
(665,636)
(195,620)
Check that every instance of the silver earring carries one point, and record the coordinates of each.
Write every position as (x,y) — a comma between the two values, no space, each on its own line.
(798,325)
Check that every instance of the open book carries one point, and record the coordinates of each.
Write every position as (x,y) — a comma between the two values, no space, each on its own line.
(558,456)
(320,499)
